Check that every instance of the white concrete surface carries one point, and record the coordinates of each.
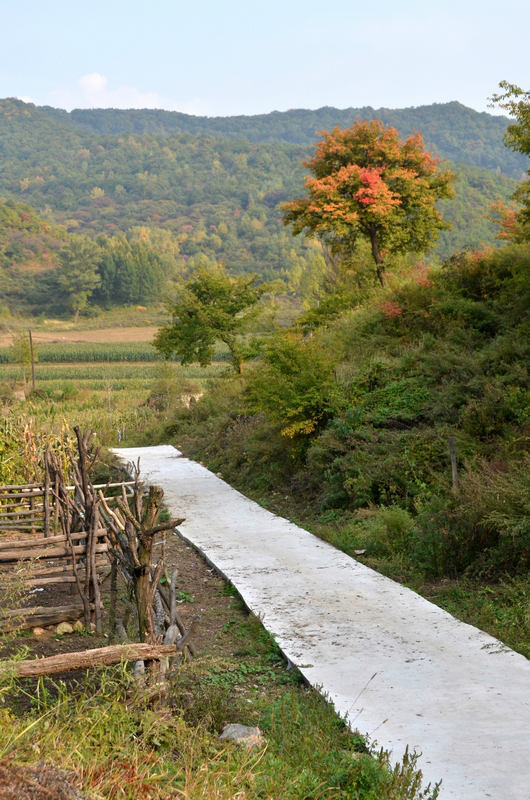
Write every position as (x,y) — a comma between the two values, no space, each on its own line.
(454,693)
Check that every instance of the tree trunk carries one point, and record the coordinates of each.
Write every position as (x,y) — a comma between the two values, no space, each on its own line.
(142,587)
(379,264)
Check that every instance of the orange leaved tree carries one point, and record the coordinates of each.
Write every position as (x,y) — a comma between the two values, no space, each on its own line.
(367,182)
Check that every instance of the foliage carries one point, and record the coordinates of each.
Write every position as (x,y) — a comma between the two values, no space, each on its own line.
(294,386)
(517,102)
(186,198)
(372,399)
(369,183)
(457,133)
(78,271)
(212,306)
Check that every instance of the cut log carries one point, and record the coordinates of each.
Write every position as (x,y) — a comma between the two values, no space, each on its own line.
(104,656)
(39,617)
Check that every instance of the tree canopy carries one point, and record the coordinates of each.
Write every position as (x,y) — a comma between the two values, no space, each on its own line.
(78,275)
(517,102)
(370,183)
(212,306)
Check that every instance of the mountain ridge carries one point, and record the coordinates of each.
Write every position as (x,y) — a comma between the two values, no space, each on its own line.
(456,132)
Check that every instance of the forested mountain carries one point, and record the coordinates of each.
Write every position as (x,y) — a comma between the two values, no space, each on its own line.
(193,197)
(456,132)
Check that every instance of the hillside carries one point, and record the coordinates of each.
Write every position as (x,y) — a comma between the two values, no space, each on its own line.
(215,197)
(457,133)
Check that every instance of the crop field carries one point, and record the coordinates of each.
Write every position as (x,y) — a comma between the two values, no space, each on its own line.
(117,399)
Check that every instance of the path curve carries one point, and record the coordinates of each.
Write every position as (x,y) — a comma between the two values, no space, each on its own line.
(454,693)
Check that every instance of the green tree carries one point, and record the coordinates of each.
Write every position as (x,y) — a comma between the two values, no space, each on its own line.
(78,275)
(295,385)
(21,353)
(369,183)
(212,306)
(517,137)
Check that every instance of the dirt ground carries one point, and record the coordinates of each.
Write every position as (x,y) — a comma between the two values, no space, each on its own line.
(106,335)
(202,592)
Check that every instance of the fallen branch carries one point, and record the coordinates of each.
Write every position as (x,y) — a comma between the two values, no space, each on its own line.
(102,656)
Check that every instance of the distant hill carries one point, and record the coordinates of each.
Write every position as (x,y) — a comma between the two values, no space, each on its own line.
(458,133)
(203,196)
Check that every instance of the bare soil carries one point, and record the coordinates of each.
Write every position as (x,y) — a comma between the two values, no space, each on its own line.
(203,593)
(75,336)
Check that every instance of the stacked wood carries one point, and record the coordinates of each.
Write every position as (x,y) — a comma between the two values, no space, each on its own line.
(132,529)
(25,507)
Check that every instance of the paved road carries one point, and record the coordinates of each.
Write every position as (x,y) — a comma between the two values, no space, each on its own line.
(401,669)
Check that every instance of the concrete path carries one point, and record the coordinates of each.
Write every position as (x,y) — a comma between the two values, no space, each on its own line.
(401,669)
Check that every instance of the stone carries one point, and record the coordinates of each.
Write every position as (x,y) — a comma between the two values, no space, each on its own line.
(78,626)
(242,734)
(39,632)
(64,627)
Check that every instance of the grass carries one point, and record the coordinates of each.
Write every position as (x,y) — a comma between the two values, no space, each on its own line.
(111,399)
(120,746)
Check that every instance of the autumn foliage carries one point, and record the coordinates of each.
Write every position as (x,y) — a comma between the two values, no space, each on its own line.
(367,182)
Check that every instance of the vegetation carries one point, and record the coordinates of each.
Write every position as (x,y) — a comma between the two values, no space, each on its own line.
(160,204)
(369,183)
(353,425)
(455,132)
(118,746)
(211,307)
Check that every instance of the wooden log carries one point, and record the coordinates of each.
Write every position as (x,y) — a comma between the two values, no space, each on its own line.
(39,541)
(8,556)
(101,656)
(32,513)
(38,617)
(15,525)
(13,504)
(23,495)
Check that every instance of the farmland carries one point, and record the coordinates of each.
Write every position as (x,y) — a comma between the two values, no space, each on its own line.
(113,387)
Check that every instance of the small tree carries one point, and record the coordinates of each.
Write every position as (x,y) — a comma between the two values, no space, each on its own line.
(369,183)
(21,353)
(517,137)
(212,306)
(78,275)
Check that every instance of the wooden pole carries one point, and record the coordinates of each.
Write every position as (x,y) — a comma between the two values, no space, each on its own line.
(47,492)
(32,361)
(454,468)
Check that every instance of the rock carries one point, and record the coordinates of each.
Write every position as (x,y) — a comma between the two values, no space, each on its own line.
(78,626)
(93,627)
(39,632)
(242,734)
(63,627)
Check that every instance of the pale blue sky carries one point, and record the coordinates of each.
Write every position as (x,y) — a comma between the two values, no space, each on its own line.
(220,57)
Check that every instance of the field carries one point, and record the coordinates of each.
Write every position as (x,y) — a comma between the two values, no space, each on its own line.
(101,380)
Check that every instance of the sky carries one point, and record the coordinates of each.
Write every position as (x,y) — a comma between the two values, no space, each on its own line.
(227,57)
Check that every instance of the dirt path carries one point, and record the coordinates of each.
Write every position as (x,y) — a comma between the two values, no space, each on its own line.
(102,335)
(402,669)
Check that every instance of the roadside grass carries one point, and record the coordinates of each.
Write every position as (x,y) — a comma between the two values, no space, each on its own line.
(120,746)
(499,607)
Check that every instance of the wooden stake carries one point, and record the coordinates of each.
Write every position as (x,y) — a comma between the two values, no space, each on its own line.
(32,361)
(454,468)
